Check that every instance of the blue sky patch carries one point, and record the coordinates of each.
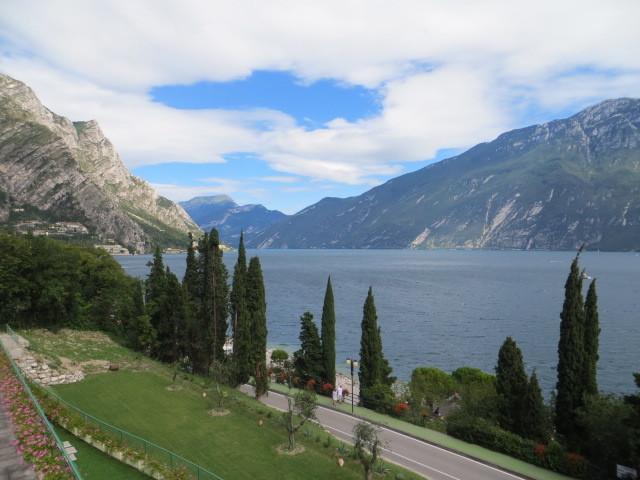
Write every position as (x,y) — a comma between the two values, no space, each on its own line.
(310,104)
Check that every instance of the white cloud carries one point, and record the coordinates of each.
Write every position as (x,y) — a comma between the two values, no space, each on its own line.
(280,179)
(450,74)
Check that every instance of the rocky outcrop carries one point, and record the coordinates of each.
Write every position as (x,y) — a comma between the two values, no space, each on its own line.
(71,171)
(551,186)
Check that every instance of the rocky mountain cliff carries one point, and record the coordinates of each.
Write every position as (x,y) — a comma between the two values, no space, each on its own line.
(229,218)
(549,186)
(65,170)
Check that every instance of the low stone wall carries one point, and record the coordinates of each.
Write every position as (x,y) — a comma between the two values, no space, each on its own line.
(42,374)
(34,369)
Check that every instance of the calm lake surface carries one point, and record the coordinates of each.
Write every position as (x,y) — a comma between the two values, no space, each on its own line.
(449,308)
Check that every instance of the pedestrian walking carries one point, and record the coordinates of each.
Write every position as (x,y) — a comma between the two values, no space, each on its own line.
(340,394)
(334,397)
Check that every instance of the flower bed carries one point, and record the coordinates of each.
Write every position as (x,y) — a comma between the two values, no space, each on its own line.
(33,440)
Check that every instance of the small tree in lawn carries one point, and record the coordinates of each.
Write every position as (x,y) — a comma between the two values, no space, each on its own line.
(367,447)
(303,407)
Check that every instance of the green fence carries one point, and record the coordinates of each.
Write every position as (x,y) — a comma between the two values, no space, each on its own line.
(51,430)
(149,448)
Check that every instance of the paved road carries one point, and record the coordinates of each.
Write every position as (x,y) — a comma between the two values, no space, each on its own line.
(423,458)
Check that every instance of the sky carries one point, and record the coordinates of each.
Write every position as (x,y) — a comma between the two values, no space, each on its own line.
(286,102)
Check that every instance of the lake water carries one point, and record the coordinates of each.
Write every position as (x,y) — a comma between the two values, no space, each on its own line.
(449,308)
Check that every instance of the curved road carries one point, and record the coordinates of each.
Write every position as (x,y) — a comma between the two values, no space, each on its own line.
(423,458)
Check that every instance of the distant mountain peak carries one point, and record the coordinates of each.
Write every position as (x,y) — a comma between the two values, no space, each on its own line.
(554,185)
(229,218)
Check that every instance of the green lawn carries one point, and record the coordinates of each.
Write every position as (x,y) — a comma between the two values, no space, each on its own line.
(233,446)
(441,439)
(96,465)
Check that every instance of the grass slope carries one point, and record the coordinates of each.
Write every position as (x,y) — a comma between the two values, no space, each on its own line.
(234,446)
(96,465)
(136,399)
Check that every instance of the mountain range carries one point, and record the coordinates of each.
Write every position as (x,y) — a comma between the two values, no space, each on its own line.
(556,185)
(54,169)
(229,218)
(551,186)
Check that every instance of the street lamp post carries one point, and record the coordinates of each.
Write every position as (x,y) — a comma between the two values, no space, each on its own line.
(352,364)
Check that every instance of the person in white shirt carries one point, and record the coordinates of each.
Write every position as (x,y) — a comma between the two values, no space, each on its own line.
(340,394)
(334,396)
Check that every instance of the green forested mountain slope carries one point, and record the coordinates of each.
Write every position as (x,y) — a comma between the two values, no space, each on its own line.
(549,186)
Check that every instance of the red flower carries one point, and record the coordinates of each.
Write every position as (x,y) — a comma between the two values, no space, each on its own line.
(539,450)
(327,387)
(400,408)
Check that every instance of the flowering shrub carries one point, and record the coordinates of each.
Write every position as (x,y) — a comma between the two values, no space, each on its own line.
(281,377)
(311,384)
(539,450)
(400,408)
(327,388)
(33,440)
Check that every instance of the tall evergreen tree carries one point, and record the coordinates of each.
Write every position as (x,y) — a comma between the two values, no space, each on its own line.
(511,386)
(155,284)
(328,330)
(374,368)
(191,279)
(308,360)
(155,298)
(535,416)
(170,327)
(192,286)
(570,385)
(240,318)
(220,298)
(214,301)
(257,311)
(591,342)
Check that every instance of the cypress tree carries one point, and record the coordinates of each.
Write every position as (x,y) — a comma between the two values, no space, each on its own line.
(374,368)
(220,298)
(155,284)
(191,280)
(328,329)
(156,302)
(511,386)
(570,385)
(214,301)
(240,318)
(591,334)
(192,286)
(257,312)
(308,360)
(171,325)
(535,418)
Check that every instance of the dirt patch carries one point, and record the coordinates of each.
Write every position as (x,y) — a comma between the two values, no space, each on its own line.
(284,450)
(67,363)
(214,412)
(95,366)
(174,388)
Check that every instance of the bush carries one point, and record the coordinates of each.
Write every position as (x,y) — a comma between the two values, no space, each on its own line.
(378,397)
(400,409)
(429,386)
(484,433)
(279,356)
